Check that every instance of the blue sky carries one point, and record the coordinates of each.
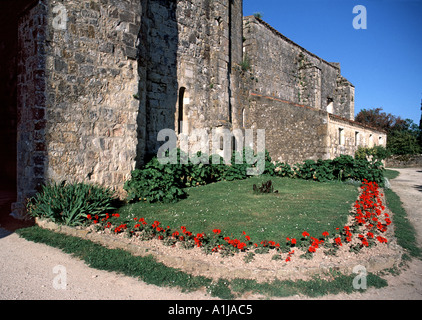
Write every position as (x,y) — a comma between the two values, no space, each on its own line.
(383,62)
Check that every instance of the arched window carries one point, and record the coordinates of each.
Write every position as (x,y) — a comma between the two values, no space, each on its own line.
(243,118)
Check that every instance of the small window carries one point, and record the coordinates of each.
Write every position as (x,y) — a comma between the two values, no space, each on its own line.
(181,112)
(357,138)
(244,118)
(330,105)
(341,136)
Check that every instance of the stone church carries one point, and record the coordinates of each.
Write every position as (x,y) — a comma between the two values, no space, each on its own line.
(88,84)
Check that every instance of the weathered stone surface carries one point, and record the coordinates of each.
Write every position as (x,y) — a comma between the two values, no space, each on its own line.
(93,96)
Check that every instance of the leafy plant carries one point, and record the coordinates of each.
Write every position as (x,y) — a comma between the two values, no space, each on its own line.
(374,154)
(70,204)
(156,183)
(283,170)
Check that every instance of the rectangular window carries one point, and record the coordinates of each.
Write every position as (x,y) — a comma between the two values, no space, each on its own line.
(341,136)
(371,140)
(357,138)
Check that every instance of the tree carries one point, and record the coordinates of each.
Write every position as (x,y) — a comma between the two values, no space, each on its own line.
(381,120)
(403,135)
(403,142)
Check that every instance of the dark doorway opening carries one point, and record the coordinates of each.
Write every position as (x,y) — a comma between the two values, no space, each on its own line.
(9,15)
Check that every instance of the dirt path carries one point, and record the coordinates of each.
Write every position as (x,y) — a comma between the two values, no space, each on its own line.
(27,273)
(27,269)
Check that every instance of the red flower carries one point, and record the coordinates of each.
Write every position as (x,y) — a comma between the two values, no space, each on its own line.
(89,217)
(217,231)
(325,234)
(248,238)
(241,246)
(311,249)
(338,241)
(381,239)
(293,241)
(305,234)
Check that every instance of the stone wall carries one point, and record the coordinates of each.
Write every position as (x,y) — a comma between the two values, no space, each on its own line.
(92,76)
(294,132)
(289,72)
(95,93)
(404,161)
(31,104)
(210,47)
(77,114)
(346,136)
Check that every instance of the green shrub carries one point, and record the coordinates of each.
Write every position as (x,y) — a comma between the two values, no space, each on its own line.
(342,168)
(157,182)
(238,170)
(70,204)
(374,154)
(283,170)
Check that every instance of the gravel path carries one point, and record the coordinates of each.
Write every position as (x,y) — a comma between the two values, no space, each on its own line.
(27,273)
(28,270)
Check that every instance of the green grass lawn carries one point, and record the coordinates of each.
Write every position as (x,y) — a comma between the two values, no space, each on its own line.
(233,207)
(391,174)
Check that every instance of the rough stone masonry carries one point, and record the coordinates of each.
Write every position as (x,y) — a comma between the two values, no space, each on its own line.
(92,96)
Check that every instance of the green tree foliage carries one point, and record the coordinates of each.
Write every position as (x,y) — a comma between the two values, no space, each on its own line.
(402,134)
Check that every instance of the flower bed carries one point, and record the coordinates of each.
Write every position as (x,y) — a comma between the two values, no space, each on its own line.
(367,227)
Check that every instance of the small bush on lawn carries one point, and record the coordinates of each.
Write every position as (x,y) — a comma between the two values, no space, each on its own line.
(71,204)
(156,183)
